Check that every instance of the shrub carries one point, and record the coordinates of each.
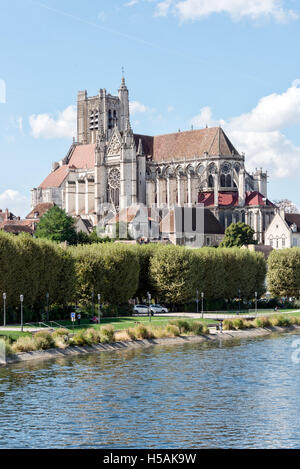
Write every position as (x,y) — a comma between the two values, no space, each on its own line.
(197,328)
(228,325)
(295,320)
(238,323)
(92,336)
(262,322)
(43,340)
(172,330)
(79,339)
(107,334)
(280,321)
(183,325)
(122,336)
(24,344)
(143,332)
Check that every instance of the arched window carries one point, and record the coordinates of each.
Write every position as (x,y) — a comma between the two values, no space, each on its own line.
(210,181)
(223,180)
(228,180)
(110,119)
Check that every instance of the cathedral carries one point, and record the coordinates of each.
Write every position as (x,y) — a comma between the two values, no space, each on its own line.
(110,164)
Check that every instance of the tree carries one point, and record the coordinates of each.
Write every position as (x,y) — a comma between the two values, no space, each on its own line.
(287,205)
(284,272)
(238,234)
(56,225)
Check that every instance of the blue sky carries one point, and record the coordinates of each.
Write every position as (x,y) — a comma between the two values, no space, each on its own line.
(228,62)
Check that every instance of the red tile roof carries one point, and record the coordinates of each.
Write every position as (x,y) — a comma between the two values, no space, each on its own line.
(231,199)
(16,227)
(83,156)
(190,144)
(40,210)
(56,178)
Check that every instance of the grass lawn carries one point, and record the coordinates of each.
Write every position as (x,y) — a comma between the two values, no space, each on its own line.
(13,335)
(126,322)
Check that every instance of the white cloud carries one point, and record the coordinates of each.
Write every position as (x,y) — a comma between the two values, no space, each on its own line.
(260,132)
(2,92)
(46,126)
(131,3)
(137,107)
(17,203)
(237,9)
(163,8)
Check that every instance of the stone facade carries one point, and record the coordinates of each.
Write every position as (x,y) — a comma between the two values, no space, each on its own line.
(109,164)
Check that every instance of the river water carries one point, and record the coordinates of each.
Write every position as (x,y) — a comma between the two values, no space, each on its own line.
(243,394)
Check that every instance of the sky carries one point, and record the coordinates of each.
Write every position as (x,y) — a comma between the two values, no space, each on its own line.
(233,63)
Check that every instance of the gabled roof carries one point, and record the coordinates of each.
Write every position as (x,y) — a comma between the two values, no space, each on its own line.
(83,156)
(56,178)
(190,144)
(39,210)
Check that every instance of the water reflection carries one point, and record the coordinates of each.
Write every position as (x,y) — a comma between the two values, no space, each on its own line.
(238,394)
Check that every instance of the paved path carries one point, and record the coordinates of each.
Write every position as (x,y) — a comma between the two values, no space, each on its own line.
(26,329)
(220,315)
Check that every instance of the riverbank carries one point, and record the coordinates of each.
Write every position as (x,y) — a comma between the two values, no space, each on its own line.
(117,346)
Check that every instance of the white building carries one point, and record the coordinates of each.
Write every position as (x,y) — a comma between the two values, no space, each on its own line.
(284,231)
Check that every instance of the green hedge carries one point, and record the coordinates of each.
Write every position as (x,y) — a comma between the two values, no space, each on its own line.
(284,272)
(172,274)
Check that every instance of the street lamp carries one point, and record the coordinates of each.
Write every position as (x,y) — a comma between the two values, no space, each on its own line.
(93,304)
(99,308)
(197,300)
(21,300)
(149,300)
(202,303)
(4,309)
(256,302)
(47,303)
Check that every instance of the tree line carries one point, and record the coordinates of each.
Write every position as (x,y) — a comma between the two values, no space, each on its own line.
(172,274)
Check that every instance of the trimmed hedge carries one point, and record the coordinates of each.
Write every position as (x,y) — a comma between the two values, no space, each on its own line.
(284,272)
(172,274)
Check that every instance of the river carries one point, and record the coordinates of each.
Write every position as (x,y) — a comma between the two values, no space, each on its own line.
(242,394)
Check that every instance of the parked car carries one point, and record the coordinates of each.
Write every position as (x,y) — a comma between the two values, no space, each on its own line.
(140,309)
(158,309)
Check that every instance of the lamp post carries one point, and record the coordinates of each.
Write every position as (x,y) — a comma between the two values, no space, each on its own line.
(256,303)
(149,300)
(239,301)
(47,305)
(93,304)
(21,300)
(202,303)
(197,300)
(4,309)
(99,308)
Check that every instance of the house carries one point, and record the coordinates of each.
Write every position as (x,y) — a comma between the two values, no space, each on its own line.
(12,224)
(284,231)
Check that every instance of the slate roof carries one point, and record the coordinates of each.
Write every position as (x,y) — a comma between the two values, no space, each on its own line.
(292,218)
